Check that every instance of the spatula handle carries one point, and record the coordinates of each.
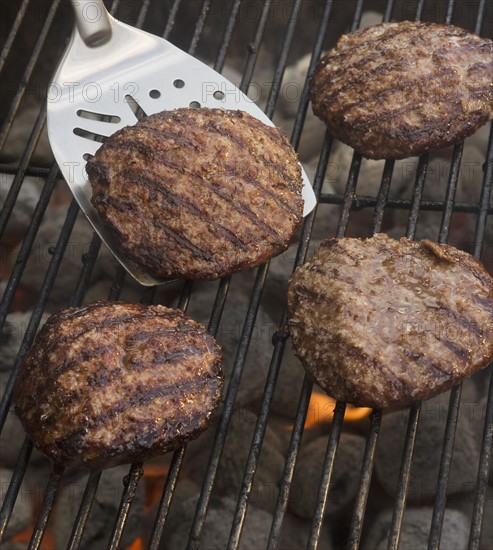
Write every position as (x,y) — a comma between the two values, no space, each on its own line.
(93,22)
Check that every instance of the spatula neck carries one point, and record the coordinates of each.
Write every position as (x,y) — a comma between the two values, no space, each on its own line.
(93,22)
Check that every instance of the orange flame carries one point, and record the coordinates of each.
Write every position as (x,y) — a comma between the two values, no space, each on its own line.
(136,545)
(155,475)
(321,410)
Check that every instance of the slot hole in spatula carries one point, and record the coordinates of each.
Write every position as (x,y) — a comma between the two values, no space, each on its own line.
(90,115)
(135,107)
(89,135)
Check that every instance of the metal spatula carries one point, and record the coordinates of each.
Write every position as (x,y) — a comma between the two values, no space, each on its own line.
(112,74)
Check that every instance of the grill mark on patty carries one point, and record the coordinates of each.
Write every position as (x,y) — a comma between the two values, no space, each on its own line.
(305,291)
(279,200)
(464,321)
(161,134)
(323,79)
(119,205)
(389,88)
(72,442)
(365,58)
(64,340)
(151,184)
(458,351)
(149,437)
(394,115)
(136,398)
(143,147)
(245,210)
(130,403)
(158,362)
(97,381)
(214,127)
(226,132)
(276,139)
(68,338)
(123,206)
(66,366)
(468,46)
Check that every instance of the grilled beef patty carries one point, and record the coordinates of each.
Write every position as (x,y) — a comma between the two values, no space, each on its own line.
(378,322)
(400,89)
(198,193)
(110,383)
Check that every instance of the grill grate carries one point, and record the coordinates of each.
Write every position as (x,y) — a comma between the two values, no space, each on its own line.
(349,204)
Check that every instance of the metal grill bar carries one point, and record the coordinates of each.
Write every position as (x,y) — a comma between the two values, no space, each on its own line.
(26,343)
(23,255)
(171,18)
(84,511)
(383,195)
(20,173)
(199,27)
(13,32)
(228,34)
(254,47)
(485,456)
(415,410)
(417,195)
(287,475)
(451,191)
(445,461)
(480,16)
(450,12)
(215,456)
(28,72)
(14,485)
(131,482)
(365,478)
(166,499)
(142,13)
(361,202)
(420,9)
(482,483)
(39,308)
(404,477)
(232,391)
(281,63)
(327,469)
(168,490)
(50,494)
(88,261)
(316,51)
(485,198)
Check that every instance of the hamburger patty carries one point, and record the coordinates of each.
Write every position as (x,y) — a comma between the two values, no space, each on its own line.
(110,383)
(400,89)
(378,322)
(198,193)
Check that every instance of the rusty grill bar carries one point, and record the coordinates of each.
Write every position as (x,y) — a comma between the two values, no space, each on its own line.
(348,202)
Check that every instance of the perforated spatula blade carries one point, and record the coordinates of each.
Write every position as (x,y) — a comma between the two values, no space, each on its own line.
(112,74)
